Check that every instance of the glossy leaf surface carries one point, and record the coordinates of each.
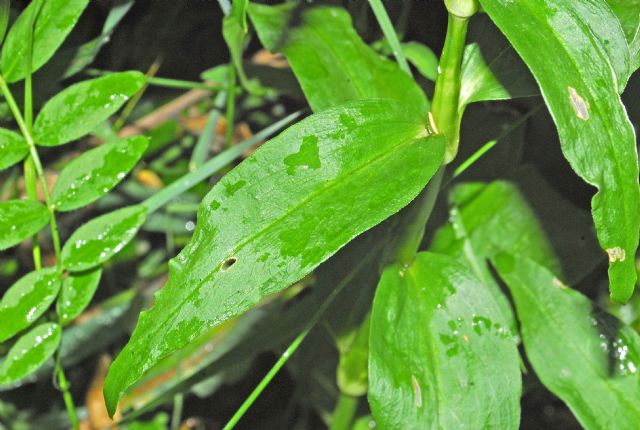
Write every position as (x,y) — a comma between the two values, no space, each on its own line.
(583,355)
(96,172)
(13,148)
(441,356)
(292,204)
(577,59)
(331,62)
(20,219)
(76,293)
(80,108)
(55,21)
(101,238)
(26,300)
(30,352)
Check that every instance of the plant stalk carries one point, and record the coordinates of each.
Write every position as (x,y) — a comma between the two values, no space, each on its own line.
(445,115)
(344,412)
(447,91)
(26,133)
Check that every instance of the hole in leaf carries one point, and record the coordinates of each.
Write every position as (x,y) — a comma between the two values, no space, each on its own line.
(228,263)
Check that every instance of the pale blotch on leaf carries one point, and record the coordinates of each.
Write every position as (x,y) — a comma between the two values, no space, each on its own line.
(417,391)
(558,283)
(616,254)
(580,105)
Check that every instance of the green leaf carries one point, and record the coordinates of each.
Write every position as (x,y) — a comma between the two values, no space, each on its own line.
(76,293)
(87,52)
(13,148)
(491,69)
(628,13)
(441,354)
(573,57)
(422,58)
(30,352)
(583,355)
(292,204)
(94,173)
(495,217)
(54,22)
(26,300)
(331,62)
(80,108)
(20,219)
(234,31)
(101,238)
(5,12)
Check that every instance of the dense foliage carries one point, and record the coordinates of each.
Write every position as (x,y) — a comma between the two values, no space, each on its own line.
(423,247)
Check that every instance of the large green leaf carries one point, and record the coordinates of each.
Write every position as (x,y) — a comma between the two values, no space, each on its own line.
(26,300)
(101,238)
(80,108)
(54,22)
(76,293)
(13,148)
(441,355)
(30,352)
(577,59)
(329,59)
(96,172)
(283,211)
(585,356)
(20,219)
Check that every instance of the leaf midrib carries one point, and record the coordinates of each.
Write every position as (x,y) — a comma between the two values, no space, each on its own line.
(327,185)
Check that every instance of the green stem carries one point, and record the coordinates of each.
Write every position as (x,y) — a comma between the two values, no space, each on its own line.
(163,82)
(231,105)
(30,177)
(390,34)
(66,395)
(344,412)
(176,414)
(447,91)
(13,106)
(411,235)
(445,116)
(31,184)
(26,132)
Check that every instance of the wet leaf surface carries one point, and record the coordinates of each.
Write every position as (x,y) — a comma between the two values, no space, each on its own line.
(26,300)
(29,353)
(101,238)
(55,21)
(292,204)
(441,354)
(76,293)
(20,219)
(580,59)
(80,108)
(95,172)
(583,355)
(13,148)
